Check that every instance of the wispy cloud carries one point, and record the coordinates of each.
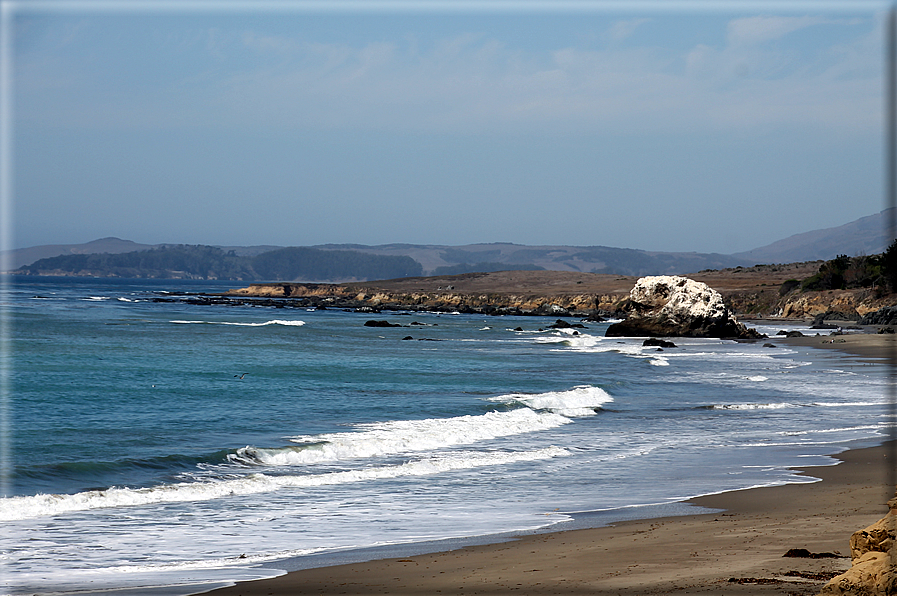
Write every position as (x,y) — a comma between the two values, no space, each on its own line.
(474,83)
(624,29)
(763,29)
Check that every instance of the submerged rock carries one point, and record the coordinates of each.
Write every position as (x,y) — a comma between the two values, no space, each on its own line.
(672,306)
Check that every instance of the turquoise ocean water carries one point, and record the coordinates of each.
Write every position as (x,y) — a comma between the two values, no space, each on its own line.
(141,458)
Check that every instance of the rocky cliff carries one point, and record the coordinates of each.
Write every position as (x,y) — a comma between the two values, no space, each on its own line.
(762,291)
(444,300)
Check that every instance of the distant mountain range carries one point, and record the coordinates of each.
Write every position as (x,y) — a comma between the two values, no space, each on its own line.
(866,235)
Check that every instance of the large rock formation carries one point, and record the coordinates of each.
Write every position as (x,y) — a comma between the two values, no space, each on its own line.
(874,568)
(669,306)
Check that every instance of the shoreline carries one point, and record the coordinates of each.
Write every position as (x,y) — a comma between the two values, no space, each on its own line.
(743,540)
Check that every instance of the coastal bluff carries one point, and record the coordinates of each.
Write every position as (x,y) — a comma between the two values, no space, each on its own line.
(549,293)
(753,291)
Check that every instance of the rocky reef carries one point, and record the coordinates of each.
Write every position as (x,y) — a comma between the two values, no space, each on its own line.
(445,299)
(672,306)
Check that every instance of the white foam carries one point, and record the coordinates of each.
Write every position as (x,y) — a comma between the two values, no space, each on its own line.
(579,401)
(265,324)
(401,436)
(848,404)
(15,508)
(774,406)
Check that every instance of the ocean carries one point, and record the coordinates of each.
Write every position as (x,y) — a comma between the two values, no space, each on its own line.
(164,443)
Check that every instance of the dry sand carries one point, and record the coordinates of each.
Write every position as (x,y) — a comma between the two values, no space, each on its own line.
(736,551)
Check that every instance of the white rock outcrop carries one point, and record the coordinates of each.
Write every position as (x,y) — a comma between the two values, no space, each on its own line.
(673,306)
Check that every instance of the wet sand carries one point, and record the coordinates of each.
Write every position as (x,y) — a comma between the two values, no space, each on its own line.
(738,550)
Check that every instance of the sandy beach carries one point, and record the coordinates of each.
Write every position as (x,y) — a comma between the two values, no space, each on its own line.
(737,550)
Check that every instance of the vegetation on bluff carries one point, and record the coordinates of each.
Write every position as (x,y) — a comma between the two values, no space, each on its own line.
(878,272)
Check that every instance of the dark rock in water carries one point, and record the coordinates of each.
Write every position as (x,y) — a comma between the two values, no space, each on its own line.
(519,329)
(561,324)
(380,324)
(769,345)
(658,342)
(794,334)
(551,309)
(884,330)
(407,337)
(835,315)
(883,316)
(595,318)
(671,306)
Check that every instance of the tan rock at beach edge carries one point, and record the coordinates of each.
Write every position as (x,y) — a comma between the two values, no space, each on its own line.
(874,569)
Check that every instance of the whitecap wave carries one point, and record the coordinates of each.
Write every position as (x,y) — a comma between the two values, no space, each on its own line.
(583,400)
(17,508)
(400,436)
(264,324)
(773,406)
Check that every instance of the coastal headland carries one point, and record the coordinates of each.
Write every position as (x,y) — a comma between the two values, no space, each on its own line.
(754,291)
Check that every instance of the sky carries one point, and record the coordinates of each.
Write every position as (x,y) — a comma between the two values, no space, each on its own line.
(705,126)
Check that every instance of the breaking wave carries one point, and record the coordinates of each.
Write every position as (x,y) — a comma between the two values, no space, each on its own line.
(401,436)
(17,508)
(265,324)
(583,400)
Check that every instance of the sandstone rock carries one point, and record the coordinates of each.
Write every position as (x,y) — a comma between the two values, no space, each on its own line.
(874,568)
(671,306)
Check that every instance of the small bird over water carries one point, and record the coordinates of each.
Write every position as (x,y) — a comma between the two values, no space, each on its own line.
(240,376)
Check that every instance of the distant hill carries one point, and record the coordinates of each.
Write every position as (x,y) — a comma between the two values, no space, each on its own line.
(209,262)
(866,235)
(471,258)
(25,256)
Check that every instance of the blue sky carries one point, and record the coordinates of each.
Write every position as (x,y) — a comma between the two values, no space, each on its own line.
(659,126)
